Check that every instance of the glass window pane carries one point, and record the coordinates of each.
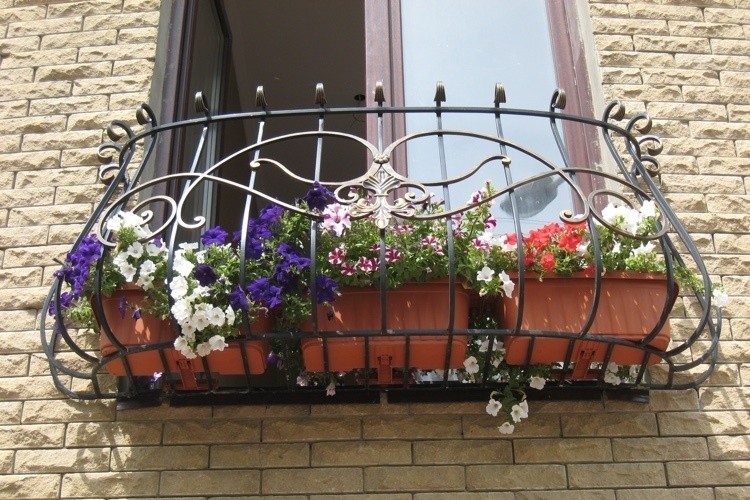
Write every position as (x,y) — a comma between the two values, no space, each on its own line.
(470,45)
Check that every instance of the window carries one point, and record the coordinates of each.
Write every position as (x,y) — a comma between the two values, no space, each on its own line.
(288,46)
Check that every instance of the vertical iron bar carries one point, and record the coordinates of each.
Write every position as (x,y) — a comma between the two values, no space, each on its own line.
(320,100)
(440,98)
(260,100)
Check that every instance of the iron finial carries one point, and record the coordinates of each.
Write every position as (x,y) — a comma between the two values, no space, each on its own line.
(260,97)
(201,106)
(439,93)
(499,94)
(559,99)
(320,95)
(379,93)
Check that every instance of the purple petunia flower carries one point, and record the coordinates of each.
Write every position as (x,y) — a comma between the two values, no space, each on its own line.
(80,260)
(270,215)
(318,197)
(263,291)
(291,258)
(214,236)
(272,358)
(257,233)
(205,274)
(325,288)
(123,307)
(238,300)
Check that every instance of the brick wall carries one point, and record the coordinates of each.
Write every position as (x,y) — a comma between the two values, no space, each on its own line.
(67,68)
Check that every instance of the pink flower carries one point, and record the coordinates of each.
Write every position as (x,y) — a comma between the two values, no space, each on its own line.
(478,196)
(431,241)
(392,255)
(403,229)
(336,256)
(375,248)
(331,389)
(481,244)
(336,219)
(490,222)
(367,265)
(348,269)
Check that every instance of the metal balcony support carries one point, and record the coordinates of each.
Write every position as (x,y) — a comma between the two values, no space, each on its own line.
(627,171)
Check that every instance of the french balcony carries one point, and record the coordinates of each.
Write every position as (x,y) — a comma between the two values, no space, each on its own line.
(528,215)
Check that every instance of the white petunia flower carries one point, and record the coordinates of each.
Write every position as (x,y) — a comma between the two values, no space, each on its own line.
(188,246)
(128,271)
(135,249)
(610,374)
(508,285)
(525,407)
(200,319)
(612,378)
(153,250)
(645,248)
(199,292)
(178,287)
(486,237)
(485,274)
(484,346)
(648,209)
(216,316)
(229,313)
(506,428)
(203,349)
(720,297)
(188,330)
(583,248)
(145,274)
(303,379)
(145,281)
(181,310)
(517,413)
(493,407)
(537,383)
(471,365)
(217,343)
(147,268)
(181,344)
(114,223)
(182,266)
(128,220)
(120,259)
(200,257)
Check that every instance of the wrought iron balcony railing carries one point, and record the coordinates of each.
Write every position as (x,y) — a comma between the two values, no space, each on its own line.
(173,176)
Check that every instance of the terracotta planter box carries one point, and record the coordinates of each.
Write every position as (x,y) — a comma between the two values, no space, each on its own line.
(415,306)
(630,306)
(149,330)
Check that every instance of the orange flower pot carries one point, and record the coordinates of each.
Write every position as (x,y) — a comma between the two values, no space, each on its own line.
(630,306)
(414,306)
(149,330)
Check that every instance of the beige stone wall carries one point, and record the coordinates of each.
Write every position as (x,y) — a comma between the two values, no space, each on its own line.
(67,68)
